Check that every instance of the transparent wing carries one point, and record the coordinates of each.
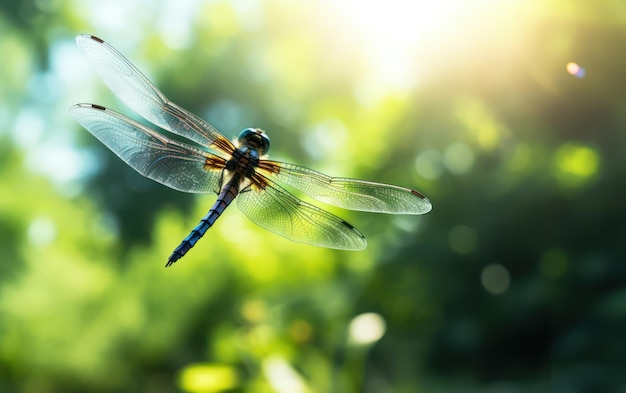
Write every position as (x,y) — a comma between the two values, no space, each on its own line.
(139,94)
(174,164)
(278,211)
(347,193)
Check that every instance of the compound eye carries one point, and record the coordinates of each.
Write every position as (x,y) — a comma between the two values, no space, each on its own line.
(255,138)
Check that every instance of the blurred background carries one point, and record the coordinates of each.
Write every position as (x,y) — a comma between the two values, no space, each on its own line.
(509,116)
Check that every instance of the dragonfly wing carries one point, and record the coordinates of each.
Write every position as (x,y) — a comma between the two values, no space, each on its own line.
(175,164)
(348,193)
(139,94)
(275,209)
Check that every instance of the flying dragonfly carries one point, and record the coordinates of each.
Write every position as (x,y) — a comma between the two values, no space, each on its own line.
(232,170)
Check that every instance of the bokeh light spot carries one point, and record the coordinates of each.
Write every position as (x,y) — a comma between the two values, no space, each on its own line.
(325,138)
(282,377)
(495,278)
(462,239)
(41,231)
(28,128)
(458,158)
(366,328)
(577,160)
(429,164)
(207,378)
(253,311)
(301,331)
(575,163)
(487,136)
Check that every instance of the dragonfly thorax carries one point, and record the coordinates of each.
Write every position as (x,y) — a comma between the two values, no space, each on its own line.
(243,161)
(255,138)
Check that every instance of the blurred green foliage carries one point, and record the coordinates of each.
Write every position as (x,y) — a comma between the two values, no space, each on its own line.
(513,283)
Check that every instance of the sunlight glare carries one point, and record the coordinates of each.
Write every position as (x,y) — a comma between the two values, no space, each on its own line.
(395,31)
(173,22)
(112,16)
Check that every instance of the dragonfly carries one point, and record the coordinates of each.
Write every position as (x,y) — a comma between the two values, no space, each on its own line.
(234,170)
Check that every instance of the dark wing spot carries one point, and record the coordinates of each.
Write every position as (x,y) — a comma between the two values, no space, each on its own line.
(353,229)
(419,194)
(93,37)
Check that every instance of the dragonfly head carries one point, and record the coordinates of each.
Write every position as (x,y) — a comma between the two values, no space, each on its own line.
(255,138)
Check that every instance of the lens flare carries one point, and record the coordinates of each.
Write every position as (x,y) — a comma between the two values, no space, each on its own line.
(575,70)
